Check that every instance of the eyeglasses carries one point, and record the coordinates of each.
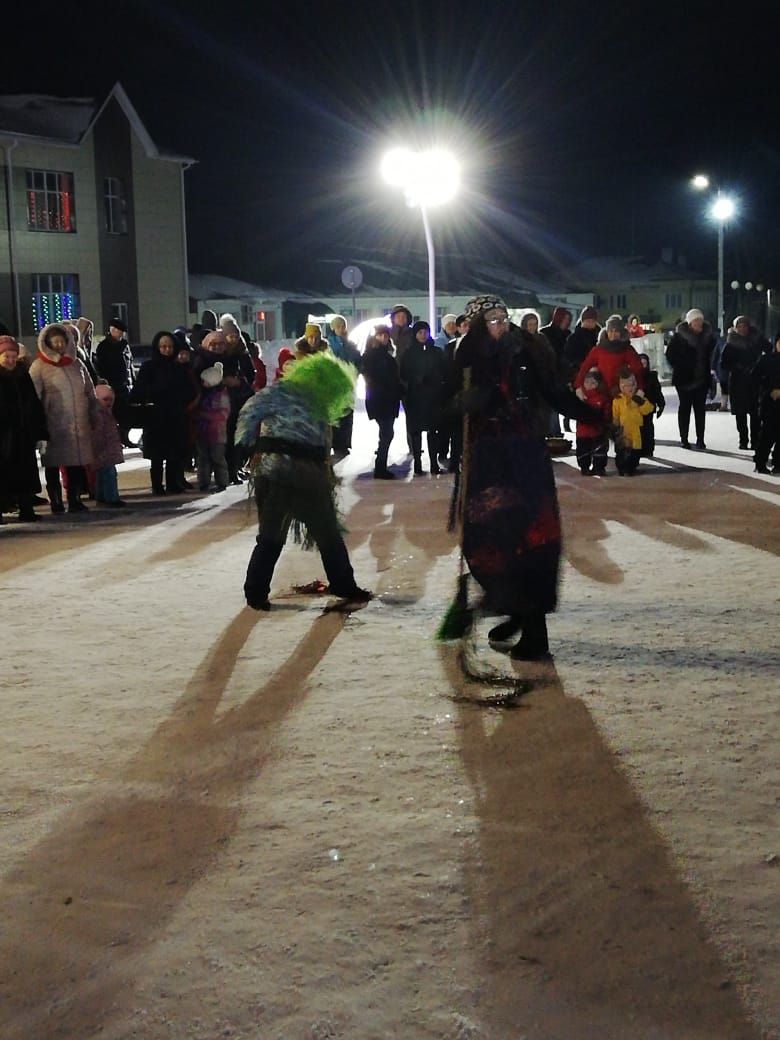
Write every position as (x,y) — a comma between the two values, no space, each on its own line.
(498,321)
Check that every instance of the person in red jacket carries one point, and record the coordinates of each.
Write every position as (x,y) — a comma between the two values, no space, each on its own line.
(612,352)
(592,439)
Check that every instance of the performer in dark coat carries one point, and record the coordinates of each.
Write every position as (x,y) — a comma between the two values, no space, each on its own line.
(383,393)
(512,532)
(744,346)
(165,385)
(689,353)
(423,375)
(22,425)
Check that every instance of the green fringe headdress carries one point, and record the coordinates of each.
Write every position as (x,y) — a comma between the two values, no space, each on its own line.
(327,384)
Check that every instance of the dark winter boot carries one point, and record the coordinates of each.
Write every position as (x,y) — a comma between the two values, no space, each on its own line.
(418,470)
(54,491)
(26,511)
(383,473)
(432,449)
(501,633)
(533,644)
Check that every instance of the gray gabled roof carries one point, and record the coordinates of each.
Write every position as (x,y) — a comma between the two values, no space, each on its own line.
(68,121)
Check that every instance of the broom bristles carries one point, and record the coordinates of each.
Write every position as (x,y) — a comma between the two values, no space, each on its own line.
(459,617)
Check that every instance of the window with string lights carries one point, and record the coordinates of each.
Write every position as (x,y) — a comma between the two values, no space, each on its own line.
(55,297)
(51,202)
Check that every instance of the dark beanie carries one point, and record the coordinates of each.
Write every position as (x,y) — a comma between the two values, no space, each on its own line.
(589,312)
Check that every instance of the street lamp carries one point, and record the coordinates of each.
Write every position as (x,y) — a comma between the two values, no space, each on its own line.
(427,179)
(722,209)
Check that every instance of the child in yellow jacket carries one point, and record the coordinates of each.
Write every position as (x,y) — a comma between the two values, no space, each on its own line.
(628,411)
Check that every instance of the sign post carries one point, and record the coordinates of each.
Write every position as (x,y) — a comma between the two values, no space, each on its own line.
(352,278)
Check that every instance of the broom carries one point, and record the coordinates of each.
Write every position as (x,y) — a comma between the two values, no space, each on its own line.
(459,618)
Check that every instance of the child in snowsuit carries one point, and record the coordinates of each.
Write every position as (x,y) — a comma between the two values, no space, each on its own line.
(628,410)
(592,440)
(107,442)
(655,395)
(213,413)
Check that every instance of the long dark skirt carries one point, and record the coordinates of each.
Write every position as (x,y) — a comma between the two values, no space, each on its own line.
(512,530)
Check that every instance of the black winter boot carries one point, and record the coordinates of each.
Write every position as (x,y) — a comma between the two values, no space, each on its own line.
(533,644)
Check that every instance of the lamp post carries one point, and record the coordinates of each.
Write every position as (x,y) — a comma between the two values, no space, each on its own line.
(722,209)
(759,288)
(428,179)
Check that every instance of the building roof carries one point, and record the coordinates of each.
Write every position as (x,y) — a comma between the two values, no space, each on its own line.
(218,287)
(67,121)
(628,270)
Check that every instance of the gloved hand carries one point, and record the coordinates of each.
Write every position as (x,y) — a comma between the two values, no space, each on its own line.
(211,377)
(660,410)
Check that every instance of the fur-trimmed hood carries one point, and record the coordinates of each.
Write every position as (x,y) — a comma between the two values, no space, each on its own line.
(694,338)
(69,333)
(612,346)
(753,337)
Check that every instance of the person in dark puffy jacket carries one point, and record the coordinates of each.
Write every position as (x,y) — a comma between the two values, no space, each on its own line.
(744,346)
(383,393)
(22,425)
(423,375)
(689,353)
(169,388)
(767,378)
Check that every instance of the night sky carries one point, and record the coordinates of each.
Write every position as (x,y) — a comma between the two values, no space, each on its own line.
(578,125)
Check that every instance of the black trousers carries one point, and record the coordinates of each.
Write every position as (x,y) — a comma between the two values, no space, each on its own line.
(592,454)
(627,459)
(648,436)
(696,400)
(77,483)
(278,506)
(386,428)
(742,428)
(769,437)
(342,433)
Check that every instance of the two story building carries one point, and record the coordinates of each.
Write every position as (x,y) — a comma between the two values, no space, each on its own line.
(92,218)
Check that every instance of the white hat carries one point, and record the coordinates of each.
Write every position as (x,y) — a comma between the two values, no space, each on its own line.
(448,319)
(212,376)
(692,315)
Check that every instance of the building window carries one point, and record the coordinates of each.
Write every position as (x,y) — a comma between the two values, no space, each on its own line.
(674,301)
(55,297)
(116,206)
(51,203)
(119,310)
(621,301)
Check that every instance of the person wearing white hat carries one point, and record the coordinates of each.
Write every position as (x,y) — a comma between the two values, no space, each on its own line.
(689,353)
(449,330)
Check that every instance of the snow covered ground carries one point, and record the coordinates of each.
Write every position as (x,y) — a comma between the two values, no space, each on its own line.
(224,824)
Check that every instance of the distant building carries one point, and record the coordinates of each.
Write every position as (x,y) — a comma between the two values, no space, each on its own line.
(660,293)
(92,217)
(276,313)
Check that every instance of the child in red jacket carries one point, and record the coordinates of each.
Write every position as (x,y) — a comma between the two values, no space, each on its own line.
(592,440)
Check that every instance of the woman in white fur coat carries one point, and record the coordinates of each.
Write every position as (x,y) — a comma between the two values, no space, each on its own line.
(66,392)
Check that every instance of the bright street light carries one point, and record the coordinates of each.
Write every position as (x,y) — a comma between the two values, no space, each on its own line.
(427,179)
(722,209)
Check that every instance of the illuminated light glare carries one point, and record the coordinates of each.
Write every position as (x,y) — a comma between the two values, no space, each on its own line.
(748,286)
(396,165)
(723,209)
(428,178)
(700,181)
(735,285)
